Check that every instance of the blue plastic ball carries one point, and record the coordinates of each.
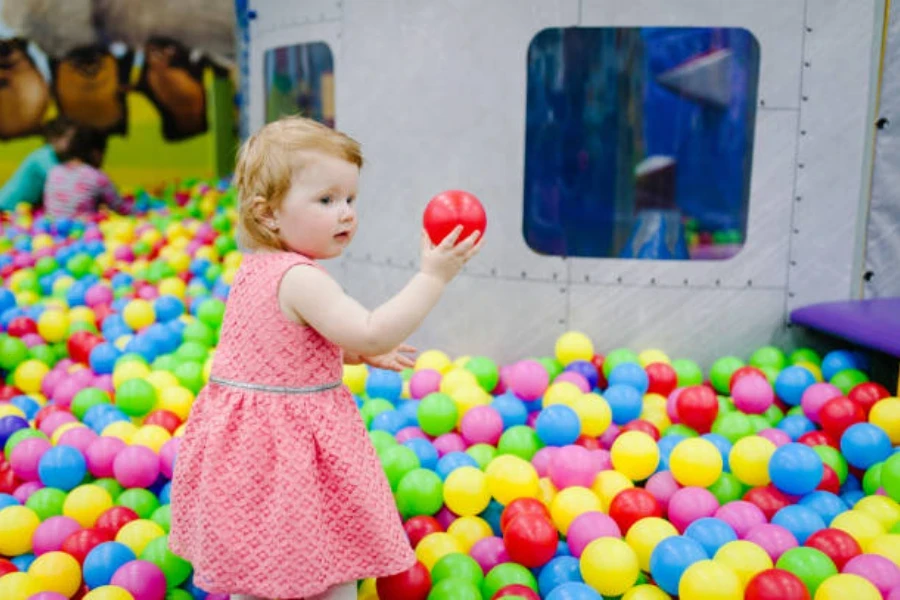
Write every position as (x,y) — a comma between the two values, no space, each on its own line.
(671,558)
(630,374)
(795,469)
(864,445)
(625,402)
(103,561)
(382,383)
(558,425)
(791,383)
(711,533)
(800,520)
(558,571)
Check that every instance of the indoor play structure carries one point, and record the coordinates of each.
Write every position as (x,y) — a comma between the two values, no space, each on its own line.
(671,371)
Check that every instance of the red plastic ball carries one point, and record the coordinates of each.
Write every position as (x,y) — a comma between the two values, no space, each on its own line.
(21,326)
(522,506)
(589,442)
(817,438)
(412,584)
(744,372)
(113,519)
(631,505)
(643,426)
(80,345)
(101,311)
(451,208)
(164,418)
(663,378)
(830,481)
(420,526)
(838,545)
(8,480)
(838,414)
(531,539)
(8,392)
(697,407)
(768,499)
(80,543)
(776,584)
(597,360)
(7,567)
(866,395)
(516,589)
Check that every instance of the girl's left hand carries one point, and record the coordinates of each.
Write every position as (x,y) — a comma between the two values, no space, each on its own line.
(395,360)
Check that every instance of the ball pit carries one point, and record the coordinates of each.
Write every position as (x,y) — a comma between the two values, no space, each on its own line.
(590,472)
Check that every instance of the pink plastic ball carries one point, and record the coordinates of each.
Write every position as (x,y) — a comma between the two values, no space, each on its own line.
(742,516)
(481,425)
(79,437)
(32,339)
(576,378)
(572,466)
(83,375)
(148,292)
(124,253)
(541,459)
(104,382)
(101,454)
(774,539)
(424,382)
(503,381)
(143,579)
(136,467)
(601,459)
(588,527)
(529,380)
(489,552)
(25,457)
(445,517)
(24,491)
(167,457)
(449,442)
(880,571)
(409,433)
(51,380)
(752,394)
(531,419)
(672,405)
(92,234)
(66,389)
(689,504)
(50,535)
(776,436)
(54,420)
(609,436)
(98,294)
(662,486)
(815,396)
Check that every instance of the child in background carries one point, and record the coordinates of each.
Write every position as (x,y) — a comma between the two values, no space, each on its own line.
(26,186)
(278,491)
(78,186)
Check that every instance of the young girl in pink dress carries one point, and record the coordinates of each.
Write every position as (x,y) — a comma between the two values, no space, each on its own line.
(277,491)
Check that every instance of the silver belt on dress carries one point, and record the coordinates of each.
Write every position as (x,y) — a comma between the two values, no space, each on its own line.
(312,389)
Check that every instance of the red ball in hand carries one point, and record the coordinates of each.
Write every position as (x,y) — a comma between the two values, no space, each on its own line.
(451,208)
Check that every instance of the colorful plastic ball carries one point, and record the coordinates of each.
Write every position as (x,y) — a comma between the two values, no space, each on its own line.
(695,462)
(414,583)
(705,575)
(573,346)
(697,407)
(864,445)
(51,533)
(62,467)
(481,425)
(18,586)
(103,561)
(776,584)
(528,380)
(510,477)
(530,539)
(752,394)
(839,414)
(645,535)
(437,414)
(80,543)
(711,533)
(56,572)
(558,425)
(690,504)
(631,505)
(26,457)
(573,590)
(773,539)
(570,503)
(17,527)
(625,402)
(635,454)
(811,566)
(610,566)
(866,395)
(588,527)
(466,491)
(136,467)
(142,579)
(881,572)
(795,469)
(792,382)
(671,558)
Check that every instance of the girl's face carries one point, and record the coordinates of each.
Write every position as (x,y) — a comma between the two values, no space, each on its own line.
(318,215)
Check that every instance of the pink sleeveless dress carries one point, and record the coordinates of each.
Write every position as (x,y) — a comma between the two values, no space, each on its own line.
(277,490)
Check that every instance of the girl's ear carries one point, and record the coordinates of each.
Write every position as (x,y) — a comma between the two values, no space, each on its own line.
(263,213)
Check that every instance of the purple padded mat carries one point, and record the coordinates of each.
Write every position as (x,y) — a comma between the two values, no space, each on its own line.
(872,323)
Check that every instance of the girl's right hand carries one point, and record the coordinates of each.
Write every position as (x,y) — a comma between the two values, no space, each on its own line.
(447,259)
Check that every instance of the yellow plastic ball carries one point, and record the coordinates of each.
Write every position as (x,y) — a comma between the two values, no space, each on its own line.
(610,566)
(172,286)
(510,477)
(594,413)
(881,508)
(635,455)
(53,325)
(888,546)
(207,252)
(468,397)
(82,314)
(139,314)
(180,260)
(461,362)
(435,546)
(56,572)
(563,392)
(179,431)
(367,590)
(886,414)
(646,592)
(29,374)
(658,417)
(745,558)
(572,346)
(466,491)
(86,503)
(138,533)
(456,379)
(232,260)
(608,484)
(151,436)
(124,430)
(41,241)
(19,586)
(11,410)
(812,368)
(710,580)
(27,298)
(59,431)
(645,535)
(546,491)
(652,355)
(468,530)
(434,360)
(129,370)
(571,503)
(695,462)
(861,527)
(161,380)
(17,526)
(844,586)
(749,460)
(177,400)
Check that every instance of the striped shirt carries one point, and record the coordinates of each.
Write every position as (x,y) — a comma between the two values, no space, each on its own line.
(74,189)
